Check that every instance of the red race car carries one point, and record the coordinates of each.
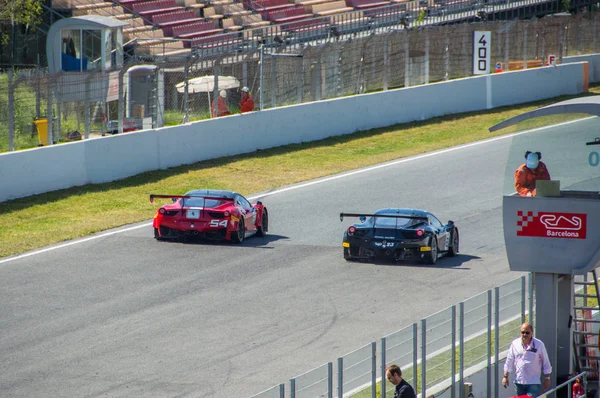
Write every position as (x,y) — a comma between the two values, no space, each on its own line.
(209,214)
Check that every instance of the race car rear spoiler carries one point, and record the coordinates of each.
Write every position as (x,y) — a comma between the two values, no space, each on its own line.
(154,196)
(342,215)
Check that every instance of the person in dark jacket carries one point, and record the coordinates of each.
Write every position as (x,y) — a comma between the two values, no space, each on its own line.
(403,390)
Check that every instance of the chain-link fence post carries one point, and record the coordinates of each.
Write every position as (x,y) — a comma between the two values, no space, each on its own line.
(86,107)
(49,109)
(506,46)
(300,79)
(406,59)
(121,99)
(524,46)
(426,56)
(216,73)
(273,82)
(186,94)
(11,112)
(595,35)
(446,58)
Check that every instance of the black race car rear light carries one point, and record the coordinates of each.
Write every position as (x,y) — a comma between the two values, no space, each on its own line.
(351,230)
(226,214)
(420,232)
(161,210)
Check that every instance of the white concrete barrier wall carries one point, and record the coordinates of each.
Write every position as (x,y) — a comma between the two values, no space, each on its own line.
(40,170)
(592,59)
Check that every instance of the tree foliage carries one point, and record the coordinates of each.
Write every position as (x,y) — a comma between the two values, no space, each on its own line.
(26,12)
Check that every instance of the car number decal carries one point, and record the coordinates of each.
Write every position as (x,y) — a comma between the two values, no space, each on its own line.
(217,223)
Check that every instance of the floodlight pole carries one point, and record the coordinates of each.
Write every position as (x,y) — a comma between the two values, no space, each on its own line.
(262,74)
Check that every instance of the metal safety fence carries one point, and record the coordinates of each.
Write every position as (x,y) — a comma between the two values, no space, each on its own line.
(436,355)
(146,95)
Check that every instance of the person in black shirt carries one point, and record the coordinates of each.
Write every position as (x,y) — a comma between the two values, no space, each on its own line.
(403,390)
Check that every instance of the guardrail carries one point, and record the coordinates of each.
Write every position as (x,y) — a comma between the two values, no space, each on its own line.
(452,342)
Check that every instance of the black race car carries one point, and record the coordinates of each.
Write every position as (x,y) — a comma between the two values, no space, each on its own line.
(399,234)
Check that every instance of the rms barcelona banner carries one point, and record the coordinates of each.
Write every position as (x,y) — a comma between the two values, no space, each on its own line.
(551,224)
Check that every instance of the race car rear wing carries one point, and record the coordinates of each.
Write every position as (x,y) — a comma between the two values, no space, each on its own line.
(154,196)
(342,215)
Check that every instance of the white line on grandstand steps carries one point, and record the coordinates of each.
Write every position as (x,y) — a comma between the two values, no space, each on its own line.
(293,187)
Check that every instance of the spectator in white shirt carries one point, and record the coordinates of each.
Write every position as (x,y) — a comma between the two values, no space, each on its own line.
(527,358)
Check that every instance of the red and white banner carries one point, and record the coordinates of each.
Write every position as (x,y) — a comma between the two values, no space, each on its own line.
(551,225)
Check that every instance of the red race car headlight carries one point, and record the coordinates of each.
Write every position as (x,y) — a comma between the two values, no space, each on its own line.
(351,230)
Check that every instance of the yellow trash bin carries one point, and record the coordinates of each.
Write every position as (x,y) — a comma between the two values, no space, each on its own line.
(41,126)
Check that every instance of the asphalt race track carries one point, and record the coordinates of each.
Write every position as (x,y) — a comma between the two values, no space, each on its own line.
(123,315)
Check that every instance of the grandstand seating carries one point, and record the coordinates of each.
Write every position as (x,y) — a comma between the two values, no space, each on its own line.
(194,4)
(306,25)
(329,8)
(363,4)
(394,10)
(169,20)
(250,21)
(219,23)
(150,8)
(263,6)
(211,13)
(129,3)
(196,29)
(223,40)
(230,9)
(288,15)
(229,25)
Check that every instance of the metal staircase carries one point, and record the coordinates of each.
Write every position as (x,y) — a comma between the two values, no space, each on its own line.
(585,329)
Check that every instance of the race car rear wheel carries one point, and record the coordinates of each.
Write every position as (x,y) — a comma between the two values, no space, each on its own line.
(453,250)
(433,253)
(240,233)
(157,235)
(264,227)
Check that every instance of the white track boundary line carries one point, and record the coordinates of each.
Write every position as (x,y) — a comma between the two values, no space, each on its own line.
(308,184)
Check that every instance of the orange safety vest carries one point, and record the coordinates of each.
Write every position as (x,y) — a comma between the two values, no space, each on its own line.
(525,178)
(247,104)
(222,108)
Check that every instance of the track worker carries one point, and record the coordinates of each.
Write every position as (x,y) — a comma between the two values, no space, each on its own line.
(529,172)
(247,103)
(222,104)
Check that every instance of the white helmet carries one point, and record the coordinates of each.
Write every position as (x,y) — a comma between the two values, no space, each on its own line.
(223,93)
(245,89)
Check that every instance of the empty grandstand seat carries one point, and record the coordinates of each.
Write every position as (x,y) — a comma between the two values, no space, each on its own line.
(307,25)
(393,10)
(211,13)
(229,25)
(167,21)
(196,29)
(251,21)
(288,15)
(231,9)
(264,6)
(196,4)
(223,40)
(129,3)
(149,8)
(362,4)
(330,8)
